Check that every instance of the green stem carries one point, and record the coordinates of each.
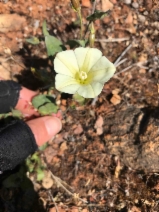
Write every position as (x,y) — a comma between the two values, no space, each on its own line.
(81,24)
(93,10)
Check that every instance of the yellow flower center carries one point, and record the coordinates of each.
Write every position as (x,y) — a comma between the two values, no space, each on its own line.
(82,78)
(83,75)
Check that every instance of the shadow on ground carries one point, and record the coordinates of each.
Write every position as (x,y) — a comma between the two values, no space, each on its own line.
(17,192)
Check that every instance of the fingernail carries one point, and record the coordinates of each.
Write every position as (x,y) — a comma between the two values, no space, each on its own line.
(53,125)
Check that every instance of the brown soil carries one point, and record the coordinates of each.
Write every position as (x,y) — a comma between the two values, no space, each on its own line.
(107,154)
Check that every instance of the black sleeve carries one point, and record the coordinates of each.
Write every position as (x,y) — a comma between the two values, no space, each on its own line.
(9,95)
(17,141)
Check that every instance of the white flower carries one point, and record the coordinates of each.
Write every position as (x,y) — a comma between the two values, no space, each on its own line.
(83,70)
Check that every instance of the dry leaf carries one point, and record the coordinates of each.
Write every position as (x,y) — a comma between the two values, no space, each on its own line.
(78,130)
(129,19)
(131,29)
(47,182)
(99,122)
(86,3)
(99,125)
(99,131)
(63,146)
(143,58)
(115,91)
(7,51)
(49,153)
(116,99)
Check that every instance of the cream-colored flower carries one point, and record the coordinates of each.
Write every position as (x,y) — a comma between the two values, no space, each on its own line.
(83,70)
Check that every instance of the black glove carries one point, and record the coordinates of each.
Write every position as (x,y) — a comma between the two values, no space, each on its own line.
(17,141)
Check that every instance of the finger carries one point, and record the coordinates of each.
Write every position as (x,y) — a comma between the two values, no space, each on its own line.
(24,105)
(58,114)
(44,128)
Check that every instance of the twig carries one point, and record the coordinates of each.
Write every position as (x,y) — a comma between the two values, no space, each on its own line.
(94,101)
(94,6)
(53,201)
(123,53)
(125,69)
(122,61)
(60,184)
(112,40)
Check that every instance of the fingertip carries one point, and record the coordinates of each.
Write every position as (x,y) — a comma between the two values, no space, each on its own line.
(44,128)
(53,125)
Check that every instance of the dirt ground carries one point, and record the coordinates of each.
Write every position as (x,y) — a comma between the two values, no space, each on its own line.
(106,158)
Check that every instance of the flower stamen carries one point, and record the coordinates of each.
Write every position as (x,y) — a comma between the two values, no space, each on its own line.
(83,75)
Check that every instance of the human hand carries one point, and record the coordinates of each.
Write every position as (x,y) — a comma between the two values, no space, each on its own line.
(19,139)
(43,128)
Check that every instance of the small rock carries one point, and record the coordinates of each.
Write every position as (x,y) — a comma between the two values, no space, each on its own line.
(127,1)
(145,13)
(78,130)
(142,18)
(135,5)
(11,22)
(107,5)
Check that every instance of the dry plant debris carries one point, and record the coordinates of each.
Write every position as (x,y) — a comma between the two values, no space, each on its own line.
(106,157)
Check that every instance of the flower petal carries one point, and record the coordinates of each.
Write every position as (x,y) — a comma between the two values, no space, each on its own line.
(87,57)
(86,91)
(65,63)
(66,84)
(97,87)
(103,70)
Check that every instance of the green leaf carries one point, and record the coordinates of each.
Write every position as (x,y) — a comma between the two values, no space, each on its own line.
(2,115)
(43,147)
(33,40)
(40,174)
(78,98)
(41,99)
(45,32)
(48,109)
(76,43)
(35,157)
(53,45)
(76,23)
(17,113)
(98,15)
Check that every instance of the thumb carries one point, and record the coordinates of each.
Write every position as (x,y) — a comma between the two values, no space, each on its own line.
(44,128)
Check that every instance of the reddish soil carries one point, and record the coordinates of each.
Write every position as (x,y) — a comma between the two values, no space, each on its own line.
(106,156)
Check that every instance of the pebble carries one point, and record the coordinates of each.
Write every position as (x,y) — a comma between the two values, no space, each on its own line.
(127,1)
(135,5)
(142,18)
(145,13)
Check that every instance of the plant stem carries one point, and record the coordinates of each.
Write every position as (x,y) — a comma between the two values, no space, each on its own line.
(94,6)
(81,24)
(93,10)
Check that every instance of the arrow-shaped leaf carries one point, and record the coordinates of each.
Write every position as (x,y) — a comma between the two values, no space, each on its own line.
(98,15)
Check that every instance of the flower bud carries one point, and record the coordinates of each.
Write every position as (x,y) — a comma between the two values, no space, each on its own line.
(92,35)
(76,5)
